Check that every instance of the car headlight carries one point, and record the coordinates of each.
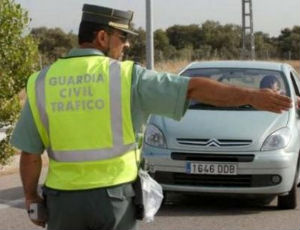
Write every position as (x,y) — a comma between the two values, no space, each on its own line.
(277,140)
(154,137)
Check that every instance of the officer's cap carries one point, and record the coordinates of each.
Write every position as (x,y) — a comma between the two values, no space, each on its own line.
(117,19)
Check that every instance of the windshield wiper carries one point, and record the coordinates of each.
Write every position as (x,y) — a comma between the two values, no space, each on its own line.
(245,107)
(201,105)
(208,106)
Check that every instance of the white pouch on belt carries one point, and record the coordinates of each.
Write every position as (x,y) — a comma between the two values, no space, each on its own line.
(152,195)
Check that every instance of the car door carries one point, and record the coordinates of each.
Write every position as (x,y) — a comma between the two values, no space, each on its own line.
(296,84)
(296,90)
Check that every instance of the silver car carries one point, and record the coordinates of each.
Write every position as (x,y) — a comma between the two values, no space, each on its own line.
(236,150)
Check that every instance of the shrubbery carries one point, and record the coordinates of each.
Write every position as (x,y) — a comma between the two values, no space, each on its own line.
(18,59)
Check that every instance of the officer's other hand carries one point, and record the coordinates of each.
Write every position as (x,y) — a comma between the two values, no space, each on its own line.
(35,199)
(267,99)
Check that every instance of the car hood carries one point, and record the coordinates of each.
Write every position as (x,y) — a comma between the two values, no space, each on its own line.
(212,130)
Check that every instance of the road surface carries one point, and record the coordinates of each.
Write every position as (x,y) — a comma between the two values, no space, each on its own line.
(179,212)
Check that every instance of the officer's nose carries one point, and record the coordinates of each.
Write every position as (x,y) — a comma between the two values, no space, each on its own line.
(127,44)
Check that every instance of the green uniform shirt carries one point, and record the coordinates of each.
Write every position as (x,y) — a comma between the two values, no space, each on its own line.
(151,93)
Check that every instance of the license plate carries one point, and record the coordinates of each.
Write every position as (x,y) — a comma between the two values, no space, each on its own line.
(211,168)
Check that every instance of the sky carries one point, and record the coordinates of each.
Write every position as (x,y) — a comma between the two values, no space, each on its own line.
(269,16)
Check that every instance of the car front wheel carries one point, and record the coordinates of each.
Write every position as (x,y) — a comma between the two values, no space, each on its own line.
(289,201)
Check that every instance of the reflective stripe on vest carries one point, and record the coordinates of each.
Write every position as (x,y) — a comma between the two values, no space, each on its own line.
(116,121)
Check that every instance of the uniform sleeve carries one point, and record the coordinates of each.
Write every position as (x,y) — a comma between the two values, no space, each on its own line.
(25,135)
(160,93)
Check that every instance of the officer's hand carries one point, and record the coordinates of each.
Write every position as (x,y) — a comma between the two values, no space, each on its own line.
(34,199)
(267,99)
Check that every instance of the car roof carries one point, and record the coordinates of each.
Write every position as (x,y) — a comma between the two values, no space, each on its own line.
(279,66)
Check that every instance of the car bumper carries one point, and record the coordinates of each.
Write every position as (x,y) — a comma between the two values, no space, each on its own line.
(259,173)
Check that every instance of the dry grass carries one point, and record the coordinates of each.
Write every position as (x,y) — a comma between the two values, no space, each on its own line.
(295,64)
(171,66)
(176,66)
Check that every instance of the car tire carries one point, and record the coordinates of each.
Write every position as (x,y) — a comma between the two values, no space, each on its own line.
(288,201)
(298,165)
(164,201)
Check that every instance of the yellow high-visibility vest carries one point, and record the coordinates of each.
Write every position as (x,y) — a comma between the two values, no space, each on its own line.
(81,107)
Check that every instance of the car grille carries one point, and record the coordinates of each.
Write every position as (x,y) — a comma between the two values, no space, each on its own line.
(212,157)
(213,142)
(213,180)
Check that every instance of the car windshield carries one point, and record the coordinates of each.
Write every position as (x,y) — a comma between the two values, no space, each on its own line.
(250,78)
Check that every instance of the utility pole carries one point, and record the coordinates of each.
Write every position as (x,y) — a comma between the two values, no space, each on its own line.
(40,61)
(149,36)
(248,49)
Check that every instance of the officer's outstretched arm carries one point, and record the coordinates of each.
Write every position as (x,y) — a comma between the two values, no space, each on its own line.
(219,94)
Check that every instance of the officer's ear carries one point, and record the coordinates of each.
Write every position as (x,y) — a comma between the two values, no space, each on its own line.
(102,39)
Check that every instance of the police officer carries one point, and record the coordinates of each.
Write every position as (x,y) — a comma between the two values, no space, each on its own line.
(85,111)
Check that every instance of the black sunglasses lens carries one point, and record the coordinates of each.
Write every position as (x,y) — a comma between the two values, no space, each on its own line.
(124,37)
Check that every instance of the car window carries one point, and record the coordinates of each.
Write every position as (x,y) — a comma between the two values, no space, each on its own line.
(250,78)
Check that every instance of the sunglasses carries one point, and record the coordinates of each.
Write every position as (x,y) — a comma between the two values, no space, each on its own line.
(123,36)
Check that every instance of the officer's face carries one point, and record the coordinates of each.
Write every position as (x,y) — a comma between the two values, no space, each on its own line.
(116,44)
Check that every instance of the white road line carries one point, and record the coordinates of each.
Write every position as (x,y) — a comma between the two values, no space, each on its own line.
(11,203)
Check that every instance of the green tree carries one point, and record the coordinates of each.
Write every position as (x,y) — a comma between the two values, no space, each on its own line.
(18,58)
(137,50)
(265,47)
(162,47)
(53,43)
(211,40)
(184,36)
(225,41)
(289,43)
